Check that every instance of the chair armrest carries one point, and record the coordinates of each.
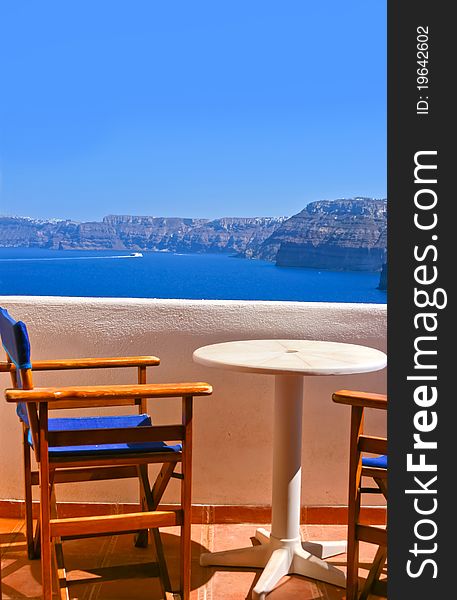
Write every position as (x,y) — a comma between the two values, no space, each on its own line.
(364,399)
(109,392)
(87,363)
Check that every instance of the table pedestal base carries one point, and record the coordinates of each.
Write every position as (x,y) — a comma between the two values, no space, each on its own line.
(278,558)
(282,552)
(320,549)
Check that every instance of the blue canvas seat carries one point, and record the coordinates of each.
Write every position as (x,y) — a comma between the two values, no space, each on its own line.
(99,422)
(379,462)
(94,448)
(81,423)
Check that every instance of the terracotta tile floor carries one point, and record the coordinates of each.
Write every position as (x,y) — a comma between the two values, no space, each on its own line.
(87,558)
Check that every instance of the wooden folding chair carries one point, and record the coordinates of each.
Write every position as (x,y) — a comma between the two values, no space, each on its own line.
(363,466)
(99,448)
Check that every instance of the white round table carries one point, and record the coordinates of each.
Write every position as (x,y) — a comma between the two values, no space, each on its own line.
(282,551)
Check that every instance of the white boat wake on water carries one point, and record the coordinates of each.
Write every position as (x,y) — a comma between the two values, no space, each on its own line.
(132,255)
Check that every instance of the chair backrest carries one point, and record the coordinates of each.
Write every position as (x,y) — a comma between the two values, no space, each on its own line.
(15,341)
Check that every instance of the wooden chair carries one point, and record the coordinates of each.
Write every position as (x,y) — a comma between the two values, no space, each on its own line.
(374,468)
(99,448)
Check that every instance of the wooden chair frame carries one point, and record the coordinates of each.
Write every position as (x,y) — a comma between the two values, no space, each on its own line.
(51,469)
(31,478)
(361,443)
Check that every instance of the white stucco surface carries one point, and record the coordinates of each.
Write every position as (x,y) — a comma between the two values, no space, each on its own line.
(233,427)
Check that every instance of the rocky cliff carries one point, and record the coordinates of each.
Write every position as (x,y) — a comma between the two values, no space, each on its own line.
(193,235)
(125,232)
(339,234)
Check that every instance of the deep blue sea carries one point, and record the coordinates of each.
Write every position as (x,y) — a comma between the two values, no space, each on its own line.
(111,273)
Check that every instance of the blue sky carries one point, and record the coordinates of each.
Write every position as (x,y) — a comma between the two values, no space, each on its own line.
(191,107)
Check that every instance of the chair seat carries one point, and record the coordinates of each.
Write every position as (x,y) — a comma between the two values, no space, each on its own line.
(105,422)
(375,461)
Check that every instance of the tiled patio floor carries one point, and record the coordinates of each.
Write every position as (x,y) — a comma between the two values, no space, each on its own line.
(86,558)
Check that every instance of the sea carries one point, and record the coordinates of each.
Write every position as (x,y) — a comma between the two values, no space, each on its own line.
(122,274)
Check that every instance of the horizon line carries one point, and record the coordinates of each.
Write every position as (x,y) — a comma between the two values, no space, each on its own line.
(208,219)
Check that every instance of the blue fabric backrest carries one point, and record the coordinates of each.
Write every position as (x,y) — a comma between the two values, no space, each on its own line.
(15,341)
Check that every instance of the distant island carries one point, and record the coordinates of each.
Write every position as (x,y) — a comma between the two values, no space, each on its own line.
(343,234)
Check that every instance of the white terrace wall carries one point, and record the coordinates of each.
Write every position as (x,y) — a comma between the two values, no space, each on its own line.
(233,427)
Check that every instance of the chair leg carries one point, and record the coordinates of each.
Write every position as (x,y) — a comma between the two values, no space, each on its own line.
(31,550)
(161,483)
(46,558)
(352,576)
(355,475)
(151,504)
(59,570)
(142,537)
(185,562)
(61,575)
(163,569)
(37,540)
(375,572)
(45,506)
(186,501)
(382,485)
